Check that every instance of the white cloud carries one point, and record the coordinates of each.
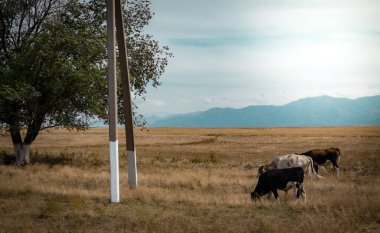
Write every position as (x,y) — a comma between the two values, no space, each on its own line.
(229,53)
(208,101)
(159,103)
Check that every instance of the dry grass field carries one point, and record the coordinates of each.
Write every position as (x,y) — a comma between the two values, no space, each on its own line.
(190,180)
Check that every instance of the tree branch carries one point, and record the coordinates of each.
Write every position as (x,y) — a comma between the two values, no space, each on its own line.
(34,128)
(51,126)
(4,34)
(22,17)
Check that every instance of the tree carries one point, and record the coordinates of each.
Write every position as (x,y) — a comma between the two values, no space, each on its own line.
(53,64)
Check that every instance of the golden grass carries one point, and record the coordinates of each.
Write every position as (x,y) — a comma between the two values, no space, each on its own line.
(190,180)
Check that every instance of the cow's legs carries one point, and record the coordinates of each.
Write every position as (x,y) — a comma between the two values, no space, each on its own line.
(298,190)
(336,167)
(315,167)
(295,189)
(301,191)
(274,191)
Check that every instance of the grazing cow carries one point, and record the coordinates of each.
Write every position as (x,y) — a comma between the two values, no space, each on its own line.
(320,156)
(283,179)
(288,161)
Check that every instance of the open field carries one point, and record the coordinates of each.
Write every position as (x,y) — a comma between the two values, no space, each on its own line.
(190,180)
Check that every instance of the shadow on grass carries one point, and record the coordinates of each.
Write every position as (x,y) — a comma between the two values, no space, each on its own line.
(51,159)
(7,158)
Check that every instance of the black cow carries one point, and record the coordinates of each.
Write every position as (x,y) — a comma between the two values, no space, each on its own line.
(283,179)
(320,156)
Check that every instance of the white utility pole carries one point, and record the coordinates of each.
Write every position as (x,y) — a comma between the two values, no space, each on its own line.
(115,15)
(112,102)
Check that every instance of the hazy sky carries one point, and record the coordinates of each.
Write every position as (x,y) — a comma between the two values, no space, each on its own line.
(235,53)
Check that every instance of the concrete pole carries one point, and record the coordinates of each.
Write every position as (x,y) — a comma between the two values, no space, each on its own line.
(123,59)
(112,102)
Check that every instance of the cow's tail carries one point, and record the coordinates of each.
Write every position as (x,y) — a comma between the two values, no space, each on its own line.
(338,158)
(338,150)
(337,162)
(313,170)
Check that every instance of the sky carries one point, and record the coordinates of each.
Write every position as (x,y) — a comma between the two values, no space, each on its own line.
(237,53)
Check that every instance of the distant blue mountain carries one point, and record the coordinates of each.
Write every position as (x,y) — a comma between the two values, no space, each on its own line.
(314,111)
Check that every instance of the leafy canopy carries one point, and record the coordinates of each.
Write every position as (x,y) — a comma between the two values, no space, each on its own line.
(53,61)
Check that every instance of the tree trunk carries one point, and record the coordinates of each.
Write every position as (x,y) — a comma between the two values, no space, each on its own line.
(17,149)
(22,148)
(24,154)
(22,151)
(17,142)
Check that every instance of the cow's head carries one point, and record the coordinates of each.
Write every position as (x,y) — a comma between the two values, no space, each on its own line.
(255,196)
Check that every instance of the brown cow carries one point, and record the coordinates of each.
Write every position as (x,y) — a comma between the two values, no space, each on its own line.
(320,156)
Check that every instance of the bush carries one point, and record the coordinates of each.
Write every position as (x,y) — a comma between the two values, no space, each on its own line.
(7,158)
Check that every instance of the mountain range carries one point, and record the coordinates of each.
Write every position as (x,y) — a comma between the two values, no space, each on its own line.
(311,111)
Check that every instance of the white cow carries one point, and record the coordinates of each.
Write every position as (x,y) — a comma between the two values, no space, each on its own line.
(288,161)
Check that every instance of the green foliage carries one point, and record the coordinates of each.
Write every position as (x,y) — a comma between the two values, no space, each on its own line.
(77,203)
(58,74)
(53,62)
(211,159)
(50,207)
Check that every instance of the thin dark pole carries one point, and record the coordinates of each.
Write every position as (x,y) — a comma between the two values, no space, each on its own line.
(123,59)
